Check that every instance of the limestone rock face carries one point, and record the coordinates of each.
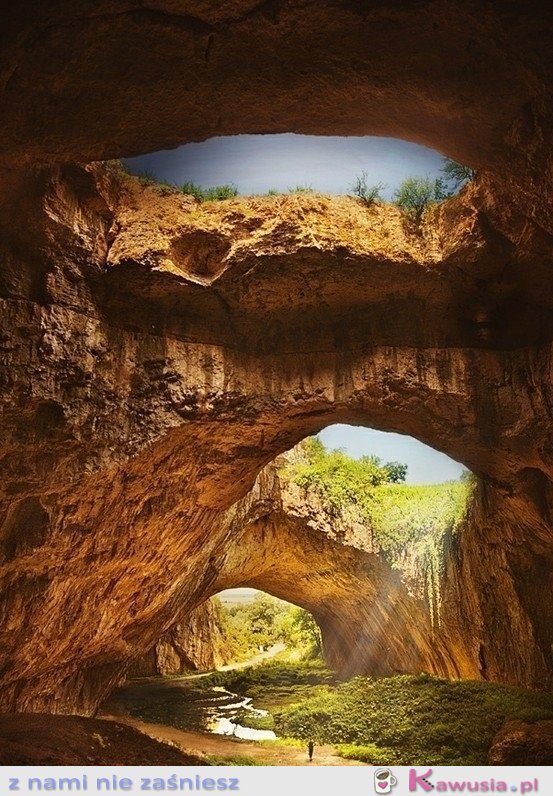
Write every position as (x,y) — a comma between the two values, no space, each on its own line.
(157,354)
(195,643)
(82,82)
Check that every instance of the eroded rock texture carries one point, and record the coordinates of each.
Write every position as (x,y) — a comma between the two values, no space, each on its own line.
(519,743)
(156,354)
(472,79)
(196,643)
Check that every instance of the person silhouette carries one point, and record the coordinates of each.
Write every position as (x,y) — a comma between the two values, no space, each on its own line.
(310,749)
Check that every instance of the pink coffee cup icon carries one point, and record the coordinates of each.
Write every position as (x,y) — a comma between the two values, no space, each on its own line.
(384,780)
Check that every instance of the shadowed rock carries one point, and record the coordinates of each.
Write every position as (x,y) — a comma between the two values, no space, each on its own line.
(165,397)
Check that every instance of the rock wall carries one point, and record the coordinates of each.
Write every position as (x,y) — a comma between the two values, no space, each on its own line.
(156,354)
(196,643)
(150,76)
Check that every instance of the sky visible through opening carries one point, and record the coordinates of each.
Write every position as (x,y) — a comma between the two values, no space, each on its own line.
(257,164)
(425,466)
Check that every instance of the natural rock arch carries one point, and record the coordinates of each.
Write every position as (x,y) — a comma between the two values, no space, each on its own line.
(165,402)
(138,406)
(170,74)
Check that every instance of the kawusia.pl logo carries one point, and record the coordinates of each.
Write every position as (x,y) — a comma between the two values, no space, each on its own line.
(384,780)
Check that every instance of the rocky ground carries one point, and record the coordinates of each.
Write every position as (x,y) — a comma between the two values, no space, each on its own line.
(40,740)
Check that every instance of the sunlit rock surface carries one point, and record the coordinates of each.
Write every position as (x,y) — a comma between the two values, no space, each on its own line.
(156,354)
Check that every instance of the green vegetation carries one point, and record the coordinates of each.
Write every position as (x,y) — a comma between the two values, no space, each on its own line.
(416,194)
(340,480)
(369,194)
(251,627)
(412,720)
(216,194)
(456,173)
(276,685)
(401,517)
(301,189)
(398,514)
(255,722)
(234,760)
(419,520)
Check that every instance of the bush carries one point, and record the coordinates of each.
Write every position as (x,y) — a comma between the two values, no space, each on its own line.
(220,192)
(412,720)
(415,194)
(217,193)
(369,194)
(301,189)
(371,754)
(191,189)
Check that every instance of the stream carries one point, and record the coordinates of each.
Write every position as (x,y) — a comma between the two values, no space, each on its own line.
(215,710)
(224,719)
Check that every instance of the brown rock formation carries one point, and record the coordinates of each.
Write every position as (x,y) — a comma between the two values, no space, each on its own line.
(148,76)
(374,618)
(196,643)
(44,740)
(156,354)
(522,744)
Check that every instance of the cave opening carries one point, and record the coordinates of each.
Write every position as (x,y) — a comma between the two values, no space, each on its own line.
(183,347)
(227,667)
(256,627)
(277,164)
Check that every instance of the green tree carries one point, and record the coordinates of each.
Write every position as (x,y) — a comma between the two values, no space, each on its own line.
(415,194)
(340,480)
(397,472)
(456,173)
(309,632)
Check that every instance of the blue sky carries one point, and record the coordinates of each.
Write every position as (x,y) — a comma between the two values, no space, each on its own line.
(425,465)
(257,163)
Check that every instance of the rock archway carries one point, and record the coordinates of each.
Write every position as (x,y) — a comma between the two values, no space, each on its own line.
(154,357)
(140,406)
(152,76)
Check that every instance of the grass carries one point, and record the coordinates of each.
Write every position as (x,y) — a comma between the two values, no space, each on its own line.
(234,760)
(247,719)
(401,720)
(278,685)
(412,720)
(217,193)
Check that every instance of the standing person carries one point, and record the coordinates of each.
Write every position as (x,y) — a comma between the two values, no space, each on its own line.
(310,748)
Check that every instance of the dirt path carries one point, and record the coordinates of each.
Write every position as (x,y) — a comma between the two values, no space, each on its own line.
(256,660)
(230,667)
(207,744)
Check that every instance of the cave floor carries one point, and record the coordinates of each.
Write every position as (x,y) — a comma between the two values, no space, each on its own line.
(209,745)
